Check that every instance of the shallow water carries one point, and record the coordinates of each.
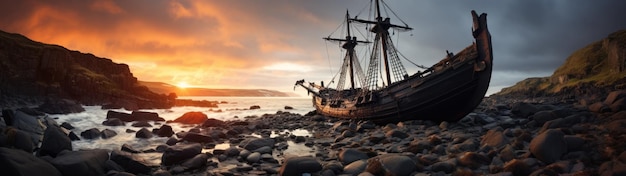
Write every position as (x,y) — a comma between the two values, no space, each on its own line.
(236,108)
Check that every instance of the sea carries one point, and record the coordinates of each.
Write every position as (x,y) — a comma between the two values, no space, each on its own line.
(230,108)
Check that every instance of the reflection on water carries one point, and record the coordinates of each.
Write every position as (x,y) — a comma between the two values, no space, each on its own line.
(235,108)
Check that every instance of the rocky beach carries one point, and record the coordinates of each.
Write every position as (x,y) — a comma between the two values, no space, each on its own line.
(501,137)
(570,123)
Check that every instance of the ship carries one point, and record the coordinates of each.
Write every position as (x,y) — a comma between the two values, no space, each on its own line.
(446,91)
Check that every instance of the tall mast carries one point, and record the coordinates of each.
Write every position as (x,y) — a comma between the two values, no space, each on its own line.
(381,27)
(382,31)
(349,44)
(351,50)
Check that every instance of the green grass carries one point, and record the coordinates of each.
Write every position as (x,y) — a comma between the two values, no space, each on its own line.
(588,65)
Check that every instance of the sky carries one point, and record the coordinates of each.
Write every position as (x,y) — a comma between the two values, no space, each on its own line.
(270,44)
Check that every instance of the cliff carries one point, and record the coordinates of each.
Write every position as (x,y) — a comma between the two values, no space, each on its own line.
(597,68)
(32,72)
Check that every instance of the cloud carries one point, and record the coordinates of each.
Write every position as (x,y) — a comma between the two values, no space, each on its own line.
(270,44)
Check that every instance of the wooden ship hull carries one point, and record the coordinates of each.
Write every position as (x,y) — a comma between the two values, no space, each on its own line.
(447,91)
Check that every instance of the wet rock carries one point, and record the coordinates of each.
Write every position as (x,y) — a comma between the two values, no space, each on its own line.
(349,155)
(355,167)
(196,137)
(67,126)
(288,107)
(143,133)
(54,141)
(171,141)
(574,143)
(60,106)
(144,116)
(254,157)
(125,117)
(542,117)
(599,107)
(213,123)
(21,140)
(473,160)
(92,133)
(232,151)
(548,146)
(73,136)
(562,122)
(196,162)
(30,124)
(255,107)
(142,123)
(255,143)
(192,118)
(264,150)
(390,164)
(494,138)
(443,166)
(524,110)
(614,96)
(396,134)
(418,146)
(618,105)
(18,162)
(129,149)
(83,162)
(113,122)
(517,168)
(161,173)
(107,133)
(179,153)
(300,166)
(131,163)
(165,131)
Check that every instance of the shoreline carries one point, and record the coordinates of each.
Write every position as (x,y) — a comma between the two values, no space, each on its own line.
(502,136)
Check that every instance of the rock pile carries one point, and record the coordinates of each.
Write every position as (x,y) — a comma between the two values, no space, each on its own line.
(500,137)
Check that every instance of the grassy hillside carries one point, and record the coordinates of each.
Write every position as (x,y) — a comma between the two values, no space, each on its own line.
(599,64)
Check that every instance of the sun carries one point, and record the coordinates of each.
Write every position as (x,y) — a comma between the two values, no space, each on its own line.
(182,85)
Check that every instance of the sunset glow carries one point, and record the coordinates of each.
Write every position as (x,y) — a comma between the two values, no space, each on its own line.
(272,44)
(183,85)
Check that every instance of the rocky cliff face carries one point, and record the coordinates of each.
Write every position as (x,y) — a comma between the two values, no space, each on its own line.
(596,69)
(31,72)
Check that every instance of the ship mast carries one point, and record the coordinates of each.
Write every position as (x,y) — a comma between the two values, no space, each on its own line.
(381,28)
(350,43)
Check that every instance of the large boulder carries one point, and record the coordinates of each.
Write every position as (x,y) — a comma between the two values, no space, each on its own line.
(119,115)
(300,166)
(84,162)
(549,146)
(196,162)
(147,116)
(143,133)
(29,123)
(54,141)
(180,153)
(494,138)
(20,163)
(197,137)
(391,164)
(107,133)
(60,106)
(92,133)
(131,163)
(192,118)
(349,155)
(255,143)
(165,131)
(113,122)
(134,116)
(12,137)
